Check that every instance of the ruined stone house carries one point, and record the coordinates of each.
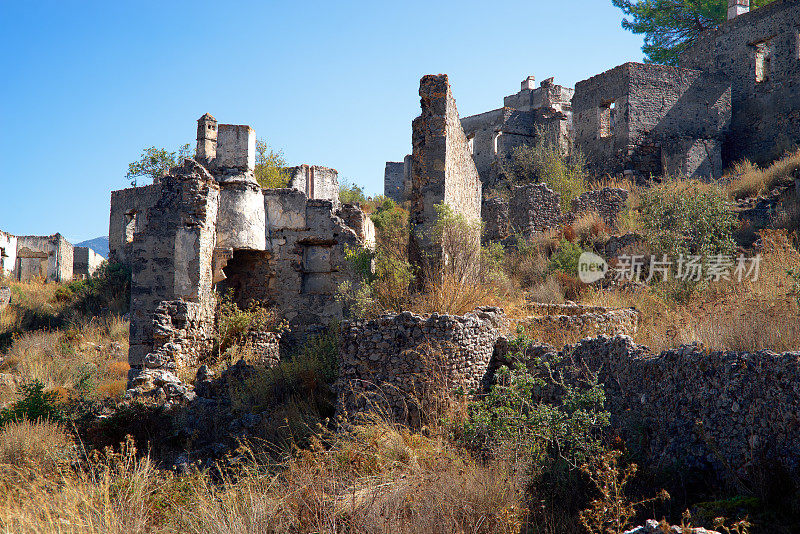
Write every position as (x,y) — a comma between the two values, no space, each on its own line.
(735,95)
(208,227)
(758,52)
(442,170)
(649,121)
(526,116)
(48,258)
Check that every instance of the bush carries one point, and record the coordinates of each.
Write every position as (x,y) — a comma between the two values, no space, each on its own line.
(689,218)
(351,193)
(35,405)
(234,323)
(512,417)
(565,258)
(545,162)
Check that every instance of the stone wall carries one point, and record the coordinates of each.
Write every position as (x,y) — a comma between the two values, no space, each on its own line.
(393,363)
(495,215)
(442,167)
(653,120)
(568,322)
(766,107)
(394,184)
(8,253)
(359,222)
(608,202)
(534,208)
(317,182)
(85,262)
(723,411)
(47,258)
(173,253)
(183,334)
(129,214)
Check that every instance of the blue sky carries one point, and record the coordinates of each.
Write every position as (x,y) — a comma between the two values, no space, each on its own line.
(87,85)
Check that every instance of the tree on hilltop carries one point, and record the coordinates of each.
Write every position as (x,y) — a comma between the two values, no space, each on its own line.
(671,26)
(155,163)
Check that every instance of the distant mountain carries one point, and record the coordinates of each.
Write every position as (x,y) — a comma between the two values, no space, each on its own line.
(98,244)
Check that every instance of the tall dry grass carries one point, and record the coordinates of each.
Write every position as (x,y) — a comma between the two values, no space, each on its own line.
(748,180)
(728,315)
(377,478)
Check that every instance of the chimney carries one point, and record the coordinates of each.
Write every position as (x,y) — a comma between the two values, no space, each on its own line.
(737,7)
(529,83)
(206,139)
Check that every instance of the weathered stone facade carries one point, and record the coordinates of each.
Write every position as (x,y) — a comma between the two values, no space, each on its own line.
(46,258)
(608,203)
(397,180)
(758,52)
(8,253)
(317,182)
(534,208)
(5,297)
(700,409)
(393,363)
(652,120)
(85,262)
(207,228)
(526,116)
(443,171)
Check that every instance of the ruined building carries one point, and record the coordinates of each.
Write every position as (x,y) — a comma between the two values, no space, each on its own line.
(758,53)
(208,227)
(442,169)
(735,95)
(47,258)
(651,121)
(525,116)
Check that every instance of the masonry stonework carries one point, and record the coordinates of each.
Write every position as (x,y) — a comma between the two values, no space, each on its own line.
(443,171)
(759,53)
(652,121)
(392,363)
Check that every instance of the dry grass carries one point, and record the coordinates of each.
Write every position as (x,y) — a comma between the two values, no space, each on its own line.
(33,306)
(42,445)
(749,180)
(377,478)
(743,316)
(93,355)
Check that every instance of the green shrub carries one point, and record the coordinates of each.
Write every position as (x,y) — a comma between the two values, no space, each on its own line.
(235,323)
(108,290)
(565,258)
(351,193)
(545,162)
(35,405)
(510,416)
(687,217)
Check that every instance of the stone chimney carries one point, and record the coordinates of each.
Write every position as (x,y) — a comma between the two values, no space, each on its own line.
(206,139)
(529,83)
(737,7)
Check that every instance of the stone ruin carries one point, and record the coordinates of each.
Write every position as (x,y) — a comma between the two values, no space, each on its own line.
(442,169)
(47,258)
(535,208)
(735,95)
(207,227)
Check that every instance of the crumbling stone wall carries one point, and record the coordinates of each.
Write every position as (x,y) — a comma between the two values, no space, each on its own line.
(442,167)
(759,53)
(85,262)
(129,213)
(534,208)
(526,117)
(608,202)
(694,408)
(570,321)
(392,363)
(359,222)
(173,254)
(397,180)
(653,120)
(496,224)
(8,253)
(183,334)
(43,257)
(317,182)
